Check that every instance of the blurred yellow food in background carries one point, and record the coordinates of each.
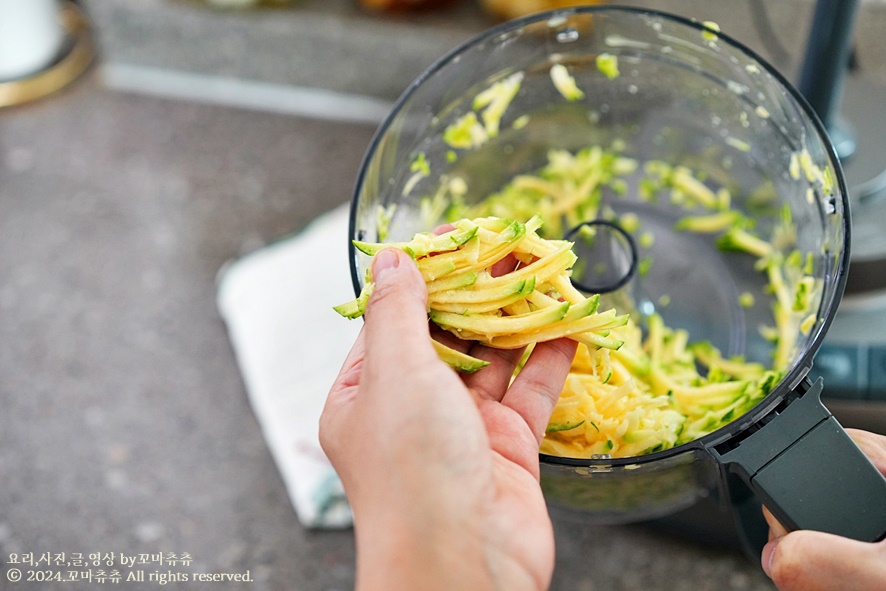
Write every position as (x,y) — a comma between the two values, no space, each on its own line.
(403,5)
(508,9)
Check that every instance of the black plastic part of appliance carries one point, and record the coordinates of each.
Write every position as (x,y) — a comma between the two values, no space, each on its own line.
(613,283)
(852,372)
(809,473)
(866,276)
(738,525)
(752,531)
(827,56)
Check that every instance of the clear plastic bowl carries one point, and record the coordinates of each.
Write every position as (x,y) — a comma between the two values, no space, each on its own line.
(686,96)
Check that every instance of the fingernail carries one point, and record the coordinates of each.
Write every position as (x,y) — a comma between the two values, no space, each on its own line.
(766,558)
(383,262)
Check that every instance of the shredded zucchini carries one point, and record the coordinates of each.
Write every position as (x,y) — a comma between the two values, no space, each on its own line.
(628,392)
(506,311)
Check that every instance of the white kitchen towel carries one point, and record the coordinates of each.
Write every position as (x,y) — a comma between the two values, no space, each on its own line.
(289,343)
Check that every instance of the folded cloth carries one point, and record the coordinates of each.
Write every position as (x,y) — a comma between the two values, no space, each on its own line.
(290,344)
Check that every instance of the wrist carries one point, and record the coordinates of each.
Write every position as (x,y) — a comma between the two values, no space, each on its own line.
(420,550)
(397,554)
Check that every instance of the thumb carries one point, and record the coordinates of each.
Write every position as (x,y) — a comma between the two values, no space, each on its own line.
(397,317)
(814,561)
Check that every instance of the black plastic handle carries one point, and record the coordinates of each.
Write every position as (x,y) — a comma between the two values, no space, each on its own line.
(810,474)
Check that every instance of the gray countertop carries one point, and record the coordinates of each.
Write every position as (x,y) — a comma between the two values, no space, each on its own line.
(124,425)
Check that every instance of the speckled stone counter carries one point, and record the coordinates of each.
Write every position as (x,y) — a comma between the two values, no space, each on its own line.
(124,421)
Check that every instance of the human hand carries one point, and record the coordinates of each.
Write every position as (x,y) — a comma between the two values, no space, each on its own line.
(814,561)
(441,470)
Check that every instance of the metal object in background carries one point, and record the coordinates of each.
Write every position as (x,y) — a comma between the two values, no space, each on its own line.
(77,54)
(828,49)
(852,359)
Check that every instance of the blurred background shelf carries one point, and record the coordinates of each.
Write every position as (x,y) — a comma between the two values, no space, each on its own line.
(336,45)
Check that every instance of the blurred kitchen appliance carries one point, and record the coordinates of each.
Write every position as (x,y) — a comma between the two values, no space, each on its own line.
(852,359)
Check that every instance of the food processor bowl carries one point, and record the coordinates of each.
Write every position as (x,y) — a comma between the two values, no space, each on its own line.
(716,129)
